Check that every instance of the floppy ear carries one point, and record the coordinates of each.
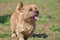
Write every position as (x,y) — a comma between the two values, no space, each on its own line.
(20,5)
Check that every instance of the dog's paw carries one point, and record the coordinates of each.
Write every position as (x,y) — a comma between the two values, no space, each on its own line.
(13,35)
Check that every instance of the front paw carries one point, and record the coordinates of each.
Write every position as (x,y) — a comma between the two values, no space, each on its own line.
(13,35)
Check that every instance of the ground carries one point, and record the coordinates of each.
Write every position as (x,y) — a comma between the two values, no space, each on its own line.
(48,26)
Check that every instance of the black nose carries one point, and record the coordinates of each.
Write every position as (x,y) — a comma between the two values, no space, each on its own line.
(37,12)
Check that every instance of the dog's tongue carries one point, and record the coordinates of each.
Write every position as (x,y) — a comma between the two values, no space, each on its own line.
(36,17)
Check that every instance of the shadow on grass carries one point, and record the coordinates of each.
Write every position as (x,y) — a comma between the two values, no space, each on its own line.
(4,18)
(44,35)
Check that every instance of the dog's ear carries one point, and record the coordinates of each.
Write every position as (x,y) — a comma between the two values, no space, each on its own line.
(20,6)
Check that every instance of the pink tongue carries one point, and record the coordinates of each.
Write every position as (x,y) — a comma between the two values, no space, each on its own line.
(36,18)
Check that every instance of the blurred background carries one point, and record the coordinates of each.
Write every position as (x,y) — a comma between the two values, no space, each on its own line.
(48,26)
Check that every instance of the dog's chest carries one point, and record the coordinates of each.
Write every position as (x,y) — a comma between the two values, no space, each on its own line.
(29,28)
(26,27)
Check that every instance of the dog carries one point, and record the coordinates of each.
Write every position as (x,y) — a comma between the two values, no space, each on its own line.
(23,20)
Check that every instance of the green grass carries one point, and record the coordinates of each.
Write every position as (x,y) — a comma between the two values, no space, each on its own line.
(35,38)
(6,1)
(49,10)
(5,35)
(55,28)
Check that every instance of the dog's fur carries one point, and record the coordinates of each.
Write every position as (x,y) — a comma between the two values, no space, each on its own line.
(22,20)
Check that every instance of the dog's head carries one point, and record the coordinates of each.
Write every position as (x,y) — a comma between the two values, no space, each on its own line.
(28,11)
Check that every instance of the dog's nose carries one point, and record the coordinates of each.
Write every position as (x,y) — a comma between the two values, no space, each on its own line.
(37,12)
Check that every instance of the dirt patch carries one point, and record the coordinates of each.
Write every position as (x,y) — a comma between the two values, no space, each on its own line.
(1,13)
(4,29)
(5,6)
(4,39)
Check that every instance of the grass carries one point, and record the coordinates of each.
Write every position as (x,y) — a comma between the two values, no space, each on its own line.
(5,35)
(49,10)
(6,1)
(55,28)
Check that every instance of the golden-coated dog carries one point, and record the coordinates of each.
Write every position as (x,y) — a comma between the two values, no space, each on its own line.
(23,19)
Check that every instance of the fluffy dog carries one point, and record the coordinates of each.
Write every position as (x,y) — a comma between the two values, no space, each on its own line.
(23,20)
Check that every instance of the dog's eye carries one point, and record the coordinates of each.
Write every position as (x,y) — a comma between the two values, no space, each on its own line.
(35,8)
(30,9)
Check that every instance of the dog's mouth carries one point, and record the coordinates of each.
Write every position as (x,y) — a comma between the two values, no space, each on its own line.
(35,17)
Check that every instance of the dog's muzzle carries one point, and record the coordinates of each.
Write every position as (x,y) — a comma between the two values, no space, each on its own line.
(36,15)
(37,12)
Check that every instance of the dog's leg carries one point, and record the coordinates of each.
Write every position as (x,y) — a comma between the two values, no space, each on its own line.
(19,34)
(13,32)
(21,37)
